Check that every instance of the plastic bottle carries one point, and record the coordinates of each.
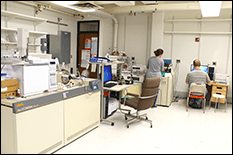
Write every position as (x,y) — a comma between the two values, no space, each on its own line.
(123,80)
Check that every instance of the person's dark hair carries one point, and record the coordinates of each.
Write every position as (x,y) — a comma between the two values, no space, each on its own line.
(158,52)
(197,63)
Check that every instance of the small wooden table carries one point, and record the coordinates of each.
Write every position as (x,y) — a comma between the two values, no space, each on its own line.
(221,89)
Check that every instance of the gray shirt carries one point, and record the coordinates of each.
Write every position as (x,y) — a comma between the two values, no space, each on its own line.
(197,76)
(155,66)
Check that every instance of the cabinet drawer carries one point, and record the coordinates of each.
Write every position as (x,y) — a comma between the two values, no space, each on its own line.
(222,100)
(219,88)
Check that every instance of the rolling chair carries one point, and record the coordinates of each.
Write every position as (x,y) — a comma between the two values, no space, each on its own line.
(142,102)
(197,90)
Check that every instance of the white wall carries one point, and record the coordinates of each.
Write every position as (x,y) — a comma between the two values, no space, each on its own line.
(157,31)
(133,35)
(212,47)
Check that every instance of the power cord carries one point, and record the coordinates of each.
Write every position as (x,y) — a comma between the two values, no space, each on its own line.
(175,77)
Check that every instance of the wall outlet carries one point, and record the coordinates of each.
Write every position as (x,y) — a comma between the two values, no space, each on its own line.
(177,60)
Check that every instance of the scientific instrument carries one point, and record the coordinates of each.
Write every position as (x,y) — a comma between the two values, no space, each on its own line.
(221,78)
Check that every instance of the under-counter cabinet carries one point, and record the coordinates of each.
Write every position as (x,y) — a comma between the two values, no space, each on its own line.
(39,130)
(45,122)
(220,89)
(81,114)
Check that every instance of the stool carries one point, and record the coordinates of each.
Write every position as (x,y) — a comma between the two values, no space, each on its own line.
(218,96)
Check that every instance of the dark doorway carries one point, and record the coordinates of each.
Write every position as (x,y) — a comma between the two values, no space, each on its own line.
(87,30)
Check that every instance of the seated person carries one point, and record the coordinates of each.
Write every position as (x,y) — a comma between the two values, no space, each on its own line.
(198,76)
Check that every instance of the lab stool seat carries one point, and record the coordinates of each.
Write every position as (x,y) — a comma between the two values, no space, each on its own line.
(218,97)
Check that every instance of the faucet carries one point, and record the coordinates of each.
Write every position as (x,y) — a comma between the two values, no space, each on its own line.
(81,79)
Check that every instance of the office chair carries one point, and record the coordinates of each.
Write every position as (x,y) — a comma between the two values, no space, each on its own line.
(142,102)
(197,90)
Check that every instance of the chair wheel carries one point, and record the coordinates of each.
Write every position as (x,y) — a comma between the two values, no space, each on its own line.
(146,118)
(125,118)
(127,126)
(129,112)
(112,124)
(151,126)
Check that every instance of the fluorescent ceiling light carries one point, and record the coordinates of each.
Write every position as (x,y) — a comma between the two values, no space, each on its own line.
(210,8)
(63,3)
(68,3)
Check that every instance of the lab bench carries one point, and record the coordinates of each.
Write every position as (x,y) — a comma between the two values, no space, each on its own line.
(45,122)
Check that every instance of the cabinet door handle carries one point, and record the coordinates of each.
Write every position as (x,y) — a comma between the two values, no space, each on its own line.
(219,87)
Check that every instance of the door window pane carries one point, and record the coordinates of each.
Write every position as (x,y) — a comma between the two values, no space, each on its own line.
(88,26)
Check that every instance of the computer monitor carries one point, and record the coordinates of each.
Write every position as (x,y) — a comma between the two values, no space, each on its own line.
(107,73)
(202,67)
(167,62)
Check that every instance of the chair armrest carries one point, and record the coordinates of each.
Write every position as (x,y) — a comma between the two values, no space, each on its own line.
(135,95)
(146,97)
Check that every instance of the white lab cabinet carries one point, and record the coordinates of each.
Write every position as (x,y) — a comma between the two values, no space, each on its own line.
(34,131)
(45,122)
(81,114)
(166,91)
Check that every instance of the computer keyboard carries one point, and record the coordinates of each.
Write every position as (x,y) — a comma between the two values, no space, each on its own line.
(109,85)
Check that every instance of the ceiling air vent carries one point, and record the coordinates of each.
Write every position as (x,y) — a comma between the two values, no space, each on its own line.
(86,5)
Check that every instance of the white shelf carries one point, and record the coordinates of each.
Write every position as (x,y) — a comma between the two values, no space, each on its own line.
(37,33)
(15,43)
(12,15)
(8,43)
(188,32)
(34,44)
(8,29)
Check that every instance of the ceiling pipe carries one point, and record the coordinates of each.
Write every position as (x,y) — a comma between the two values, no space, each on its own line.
(48,8)
(106,15)
(115,33)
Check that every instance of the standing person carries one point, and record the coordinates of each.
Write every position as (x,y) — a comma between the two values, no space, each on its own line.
(198,76)
(155,66)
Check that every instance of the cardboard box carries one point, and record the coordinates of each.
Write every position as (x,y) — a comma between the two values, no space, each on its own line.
(10,82)
(10,88)
(8,94)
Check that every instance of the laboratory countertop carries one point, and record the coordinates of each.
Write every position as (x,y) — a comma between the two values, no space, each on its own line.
(24,103)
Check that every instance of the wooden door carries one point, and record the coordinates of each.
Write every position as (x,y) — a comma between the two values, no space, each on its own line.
(82,37)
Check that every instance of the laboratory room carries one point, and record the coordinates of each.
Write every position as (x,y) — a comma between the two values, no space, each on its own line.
(116,77)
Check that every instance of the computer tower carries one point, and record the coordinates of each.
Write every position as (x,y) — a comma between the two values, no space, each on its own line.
(211,70)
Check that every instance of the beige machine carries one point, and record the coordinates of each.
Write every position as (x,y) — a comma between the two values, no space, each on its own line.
(166,91)
(45,122)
